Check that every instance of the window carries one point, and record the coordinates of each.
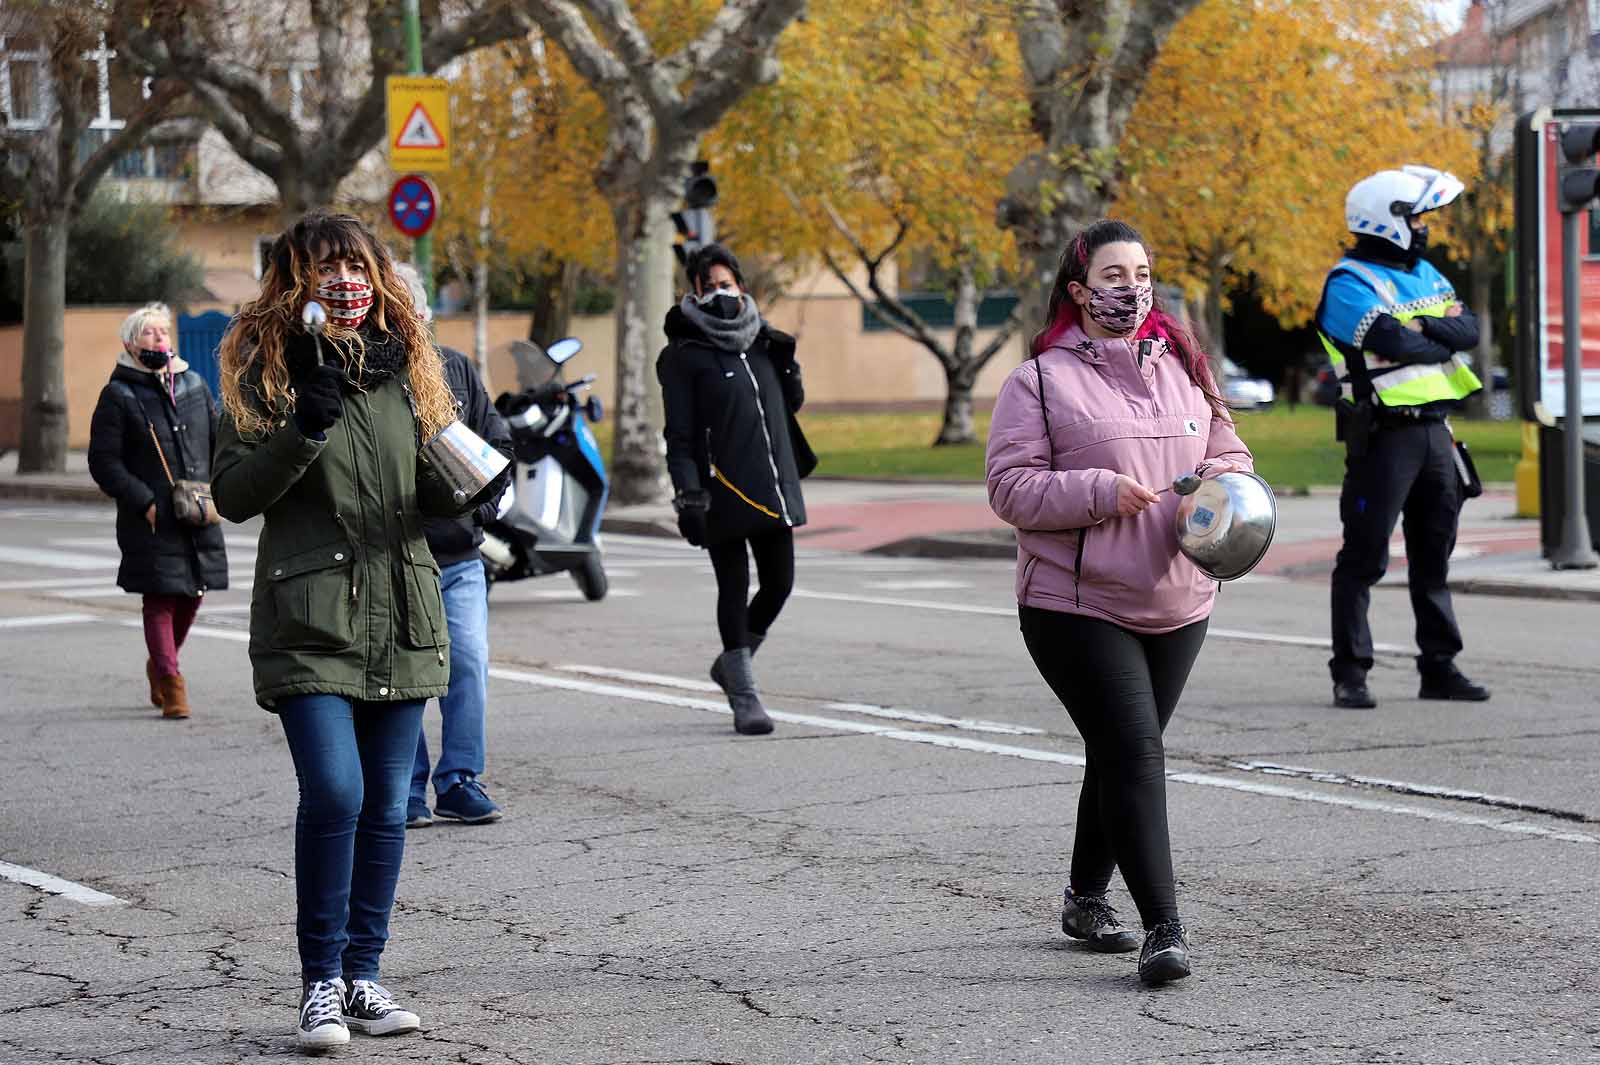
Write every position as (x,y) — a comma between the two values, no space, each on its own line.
(23,91)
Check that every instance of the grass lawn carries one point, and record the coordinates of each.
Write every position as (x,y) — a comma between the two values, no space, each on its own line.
(1293,449)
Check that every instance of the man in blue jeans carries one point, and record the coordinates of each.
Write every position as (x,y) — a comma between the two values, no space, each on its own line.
(457,794)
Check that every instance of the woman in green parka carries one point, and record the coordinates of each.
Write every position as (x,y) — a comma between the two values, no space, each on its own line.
(347,631)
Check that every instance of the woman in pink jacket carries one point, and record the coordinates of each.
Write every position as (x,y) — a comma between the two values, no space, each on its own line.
(1116,402)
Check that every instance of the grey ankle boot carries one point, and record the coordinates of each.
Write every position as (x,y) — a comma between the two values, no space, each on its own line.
(749,716)
(717,674)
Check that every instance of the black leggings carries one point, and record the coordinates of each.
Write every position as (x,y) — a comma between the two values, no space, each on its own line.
(774,553)
(1120,688)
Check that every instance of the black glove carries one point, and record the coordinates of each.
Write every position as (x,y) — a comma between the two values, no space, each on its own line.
(319,400)
(299,355)
(691,508)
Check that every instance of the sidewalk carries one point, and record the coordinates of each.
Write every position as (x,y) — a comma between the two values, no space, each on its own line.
(1496,552)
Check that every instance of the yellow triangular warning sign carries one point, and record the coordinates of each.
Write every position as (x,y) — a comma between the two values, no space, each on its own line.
(419,131)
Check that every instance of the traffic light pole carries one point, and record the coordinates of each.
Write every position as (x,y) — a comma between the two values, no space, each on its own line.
(422,253)
(1577,549)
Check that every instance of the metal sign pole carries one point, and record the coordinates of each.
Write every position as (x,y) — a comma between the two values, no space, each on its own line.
(1577,550)
(422,253)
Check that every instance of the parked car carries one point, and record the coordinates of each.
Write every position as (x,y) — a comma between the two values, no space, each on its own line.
(1240,391)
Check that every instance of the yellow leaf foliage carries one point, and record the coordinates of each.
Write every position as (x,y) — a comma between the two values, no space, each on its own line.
(912,112)
(528,134)
(1258,117)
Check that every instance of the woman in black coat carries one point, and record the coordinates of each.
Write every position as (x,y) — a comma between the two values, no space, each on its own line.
(154,410)
(731,387)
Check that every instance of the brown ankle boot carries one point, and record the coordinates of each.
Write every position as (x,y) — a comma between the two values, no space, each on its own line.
(174,696)
(155,682)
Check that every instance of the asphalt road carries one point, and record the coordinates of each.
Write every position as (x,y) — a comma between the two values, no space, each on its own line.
(877,881)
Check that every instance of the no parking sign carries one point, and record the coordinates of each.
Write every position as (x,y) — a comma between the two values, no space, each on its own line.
(413,205)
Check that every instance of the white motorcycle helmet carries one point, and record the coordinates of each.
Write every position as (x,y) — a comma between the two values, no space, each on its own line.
(1379,205)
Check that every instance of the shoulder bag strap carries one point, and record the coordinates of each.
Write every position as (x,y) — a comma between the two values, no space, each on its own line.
(159,453)
(1044,411)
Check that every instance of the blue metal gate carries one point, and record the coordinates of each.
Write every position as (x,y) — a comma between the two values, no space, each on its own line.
(199,336)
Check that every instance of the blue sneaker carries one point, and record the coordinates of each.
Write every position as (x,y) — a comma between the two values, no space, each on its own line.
(466,802)
(417,815)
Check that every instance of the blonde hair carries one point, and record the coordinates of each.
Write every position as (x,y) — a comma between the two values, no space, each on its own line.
(255,376)
(134,324)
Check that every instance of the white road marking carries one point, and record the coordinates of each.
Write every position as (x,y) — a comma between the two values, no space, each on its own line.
(42,620)
(38,556)
(54,885)
(967,724)
(56,582)
(661,680)
(1011,612)
(506,593)
(933,585)
(962,743)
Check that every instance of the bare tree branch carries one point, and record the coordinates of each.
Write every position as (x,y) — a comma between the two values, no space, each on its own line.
(598,65)
(130,136)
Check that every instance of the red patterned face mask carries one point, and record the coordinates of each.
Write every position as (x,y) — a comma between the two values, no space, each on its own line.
(347,299)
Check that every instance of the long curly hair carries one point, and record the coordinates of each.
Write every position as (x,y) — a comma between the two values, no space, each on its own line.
(255,376)
(1063,312)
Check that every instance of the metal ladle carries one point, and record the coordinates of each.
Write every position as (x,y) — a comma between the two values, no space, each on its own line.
(315,319)
(1185,485)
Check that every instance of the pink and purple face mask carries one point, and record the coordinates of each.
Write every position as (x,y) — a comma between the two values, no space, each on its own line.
(1120,309)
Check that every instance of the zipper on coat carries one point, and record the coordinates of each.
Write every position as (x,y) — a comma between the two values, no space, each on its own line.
(766,434)
(1077,567)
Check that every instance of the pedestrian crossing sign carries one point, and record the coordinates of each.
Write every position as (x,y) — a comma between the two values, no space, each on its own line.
(419,124)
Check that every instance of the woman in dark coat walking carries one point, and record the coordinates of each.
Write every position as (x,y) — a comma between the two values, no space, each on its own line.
(731,388)
(156,417)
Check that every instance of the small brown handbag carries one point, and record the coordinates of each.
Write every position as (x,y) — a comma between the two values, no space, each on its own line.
(191,500)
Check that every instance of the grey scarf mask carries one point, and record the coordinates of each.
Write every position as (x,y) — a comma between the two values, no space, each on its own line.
(729,334)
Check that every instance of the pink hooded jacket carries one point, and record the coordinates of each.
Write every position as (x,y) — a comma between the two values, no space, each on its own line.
(1108,414)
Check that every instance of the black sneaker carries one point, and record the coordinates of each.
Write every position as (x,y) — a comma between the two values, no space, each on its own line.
(1354,695)
(369,1009)
(1450,683)
(1091,919)
(466,801)
(417,815)
(321,1026)
(1166,954)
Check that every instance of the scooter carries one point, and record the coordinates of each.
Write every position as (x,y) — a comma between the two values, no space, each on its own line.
(549,518)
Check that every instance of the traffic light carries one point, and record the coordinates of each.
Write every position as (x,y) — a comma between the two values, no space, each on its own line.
(1580,179)
(695,224)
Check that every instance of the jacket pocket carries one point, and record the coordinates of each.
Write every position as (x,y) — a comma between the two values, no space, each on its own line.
(423,603)
(314,600)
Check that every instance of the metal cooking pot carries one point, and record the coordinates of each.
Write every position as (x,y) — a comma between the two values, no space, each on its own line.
(1226,526)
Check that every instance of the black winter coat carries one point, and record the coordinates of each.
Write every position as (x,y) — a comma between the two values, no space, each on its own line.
(454,540)
(731,430)
(176,559)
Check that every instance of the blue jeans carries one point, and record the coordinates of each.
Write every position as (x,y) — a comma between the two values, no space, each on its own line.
(466,612)
(351,759)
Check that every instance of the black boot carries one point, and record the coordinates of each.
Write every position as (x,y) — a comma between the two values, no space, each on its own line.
(1450,683)
(1353,695)
(749,716)
(717,673)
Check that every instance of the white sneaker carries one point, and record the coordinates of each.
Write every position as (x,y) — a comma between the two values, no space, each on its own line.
(322,1017)
(368,1008)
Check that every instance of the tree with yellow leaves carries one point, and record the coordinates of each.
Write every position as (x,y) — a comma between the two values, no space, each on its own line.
(526,128)
(888,138)
(1258,117)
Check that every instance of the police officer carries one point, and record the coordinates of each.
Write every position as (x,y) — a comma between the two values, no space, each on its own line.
(1393,328)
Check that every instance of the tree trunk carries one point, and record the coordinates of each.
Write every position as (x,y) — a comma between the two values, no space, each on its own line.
(557,289)
(1482,405)
(1216,345)
(480,292)
(957,427)
(44,373)
(644,295)
(300,192)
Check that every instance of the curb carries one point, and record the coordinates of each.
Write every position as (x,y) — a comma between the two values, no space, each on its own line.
(52,491)
(639,527)
(1524,590)
(1002,545)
